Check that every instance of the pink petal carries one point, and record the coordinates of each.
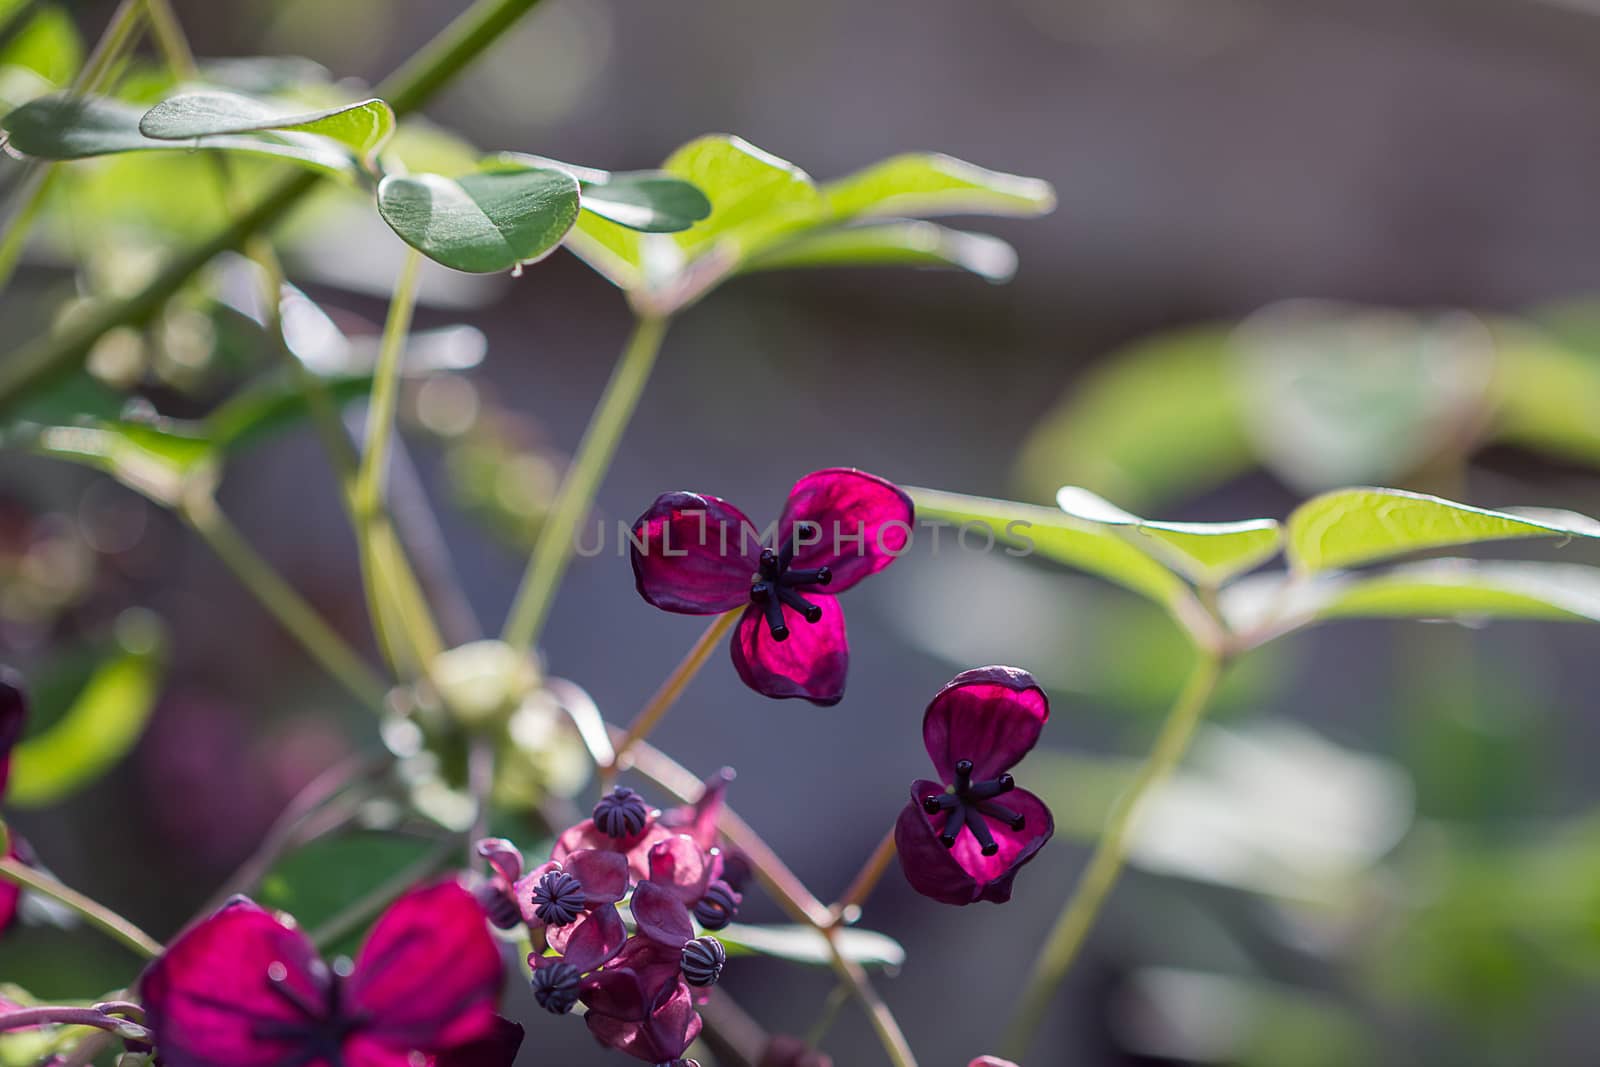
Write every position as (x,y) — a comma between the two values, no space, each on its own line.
(498,1049)
(429,974)
(989,715)
(810,664)
(10,892)
(661,916)
(991,1061)
(522,891)
(683,867)
(211,994)
(863,521)
(592,940)
(663,1034)
(603,875)
(694,554)
(637,848)
(963,874)
(503,856)
(14,715)
(699,820)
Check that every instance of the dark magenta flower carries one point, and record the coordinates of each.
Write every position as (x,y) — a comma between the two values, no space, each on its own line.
(572,901)
(245,988)
(963,838)
(13,716)
(699,555)
(640,1003)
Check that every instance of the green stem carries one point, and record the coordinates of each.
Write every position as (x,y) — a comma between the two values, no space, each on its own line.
(34,193)
(671,689)
(553,550)
(96,914)
(170,40)
(397,606)
(285,605)
(53,355)
(1078,916)
(848,909)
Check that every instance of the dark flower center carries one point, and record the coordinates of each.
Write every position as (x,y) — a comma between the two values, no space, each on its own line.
(621,813)
(319,1030)
(718,907)
(702,961)
(968,803)
(555,987)
(775,585)
(558,898)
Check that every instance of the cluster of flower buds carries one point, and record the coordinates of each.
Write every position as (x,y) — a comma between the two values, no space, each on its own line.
(640,989)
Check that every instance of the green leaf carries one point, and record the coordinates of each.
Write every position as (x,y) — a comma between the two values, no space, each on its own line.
(802,944)
(160,459)
(363,127)
(48,44)
(489,221)
(317,882)
(1351,526)
(1547,389)
(1049,533)
(649,201)
(1161,419)
(933,184)
(101,725)
(63,126)
(1205,552)
(892,244)
(754,195)
(1467,590)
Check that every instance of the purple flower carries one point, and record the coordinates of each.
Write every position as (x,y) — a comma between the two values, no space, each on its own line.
(245,988)
(963,838)
(13,716)
(699,555)
(641,1005)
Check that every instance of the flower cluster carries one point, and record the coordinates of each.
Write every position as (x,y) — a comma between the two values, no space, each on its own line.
(640,989)
(246,986)
(699,555)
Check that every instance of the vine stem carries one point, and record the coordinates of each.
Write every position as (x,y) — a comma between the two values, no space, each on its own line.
(325,646)
(67,1016)
(553,550)
(787,889)
(671,689)
(404,612)
(866,880)
(95,913)
(1066,938)
(52,355)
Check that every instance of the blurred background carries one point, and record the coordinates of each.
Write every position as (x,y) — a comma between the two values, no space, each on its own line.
(1299,245)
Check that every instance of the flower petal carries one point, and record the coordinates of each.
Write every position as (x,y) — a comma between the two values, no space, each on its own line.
(699,820)
(663,1034)
(989,715)
(661,916)
(227,980)
(13,716)
(991,1061)
(637,847)
(963,874)
(497,1049)
(683,868)
(603,875)
(429,974)
(694,554)
(810,664)
(592,940)
(503,856)
(857,523)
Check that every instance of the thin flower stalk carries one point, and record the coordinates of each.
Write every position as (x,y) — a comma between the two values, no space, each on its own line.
(96,914)
(657,706)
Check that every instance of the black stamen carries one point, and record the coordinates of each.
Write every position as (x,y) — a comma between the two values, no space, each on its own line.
(810,611)
(980,830)
(702,961)
(555,987)
(993,788)
(621,813)
(558,898)
(933,805)
(816,576)
(963,777)
(999,811)
(953,821)
(775,623)
(718,907)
